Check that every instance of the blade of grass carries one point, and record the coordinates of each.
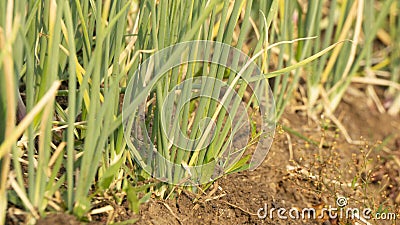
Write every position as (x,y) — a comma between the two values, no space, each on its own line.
(9,108)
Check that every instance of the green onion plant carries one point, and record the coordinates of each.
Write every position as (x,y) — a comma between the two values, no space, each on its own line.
(65,67)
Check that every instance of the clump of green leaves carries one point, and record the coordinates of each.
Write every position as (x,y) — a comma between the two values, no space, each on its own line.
(70,147)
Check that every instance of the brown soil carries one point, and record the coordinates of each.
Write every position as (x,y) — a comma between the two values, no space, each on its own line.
(314,182)
(59,219)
